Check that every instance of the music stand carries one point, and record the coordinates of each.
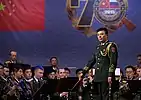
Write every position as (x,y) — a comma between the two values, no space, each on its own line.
(135,86)
(59,85)
(65,84)
(51,86)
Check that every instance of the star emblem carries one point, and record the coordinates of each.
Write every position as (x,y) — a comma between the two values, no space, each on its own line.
(7,8)
(2,6)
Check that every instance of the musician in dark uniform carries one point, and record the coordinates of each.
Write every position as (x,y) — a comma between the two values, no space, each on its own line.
(37,81)
(49,73)
(3,82)
(54,63)
(12,58)
(124,90)
(14,90)
(105,58)
(25,83)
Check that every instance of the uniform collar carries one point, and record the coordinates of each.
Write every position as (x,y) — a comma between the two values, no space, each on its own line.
(28,80)
(36,79)
(3,78)
(16,80)
(54,68)
(104,43)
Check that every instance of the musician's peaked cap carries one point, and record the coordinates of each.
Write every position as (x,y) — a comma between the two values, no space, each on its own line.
(13,66)
(1,66)
(48,70)
(26,67)
(78,70)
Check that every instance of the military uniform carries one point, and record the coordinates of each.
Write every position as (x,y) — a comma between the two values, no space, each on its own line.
(27,91)
(10,61)
(13,93)
(13,83)
(3,88)
(105,59)
(36,85)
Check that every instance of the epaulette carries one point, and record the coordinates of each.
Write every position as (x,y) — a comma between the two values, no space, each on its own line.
(109,45)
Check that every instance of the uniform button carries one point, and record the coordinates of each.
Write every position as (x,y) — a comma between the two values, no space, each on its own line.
(98,58)
(97,68)
(98,63)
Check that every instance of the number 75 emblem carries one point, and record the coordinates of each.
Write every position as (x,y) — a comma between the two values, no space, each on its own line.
(110,13)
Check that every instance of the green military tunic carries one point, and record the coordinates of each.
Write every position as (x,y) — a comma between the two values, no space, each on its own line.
(105,60)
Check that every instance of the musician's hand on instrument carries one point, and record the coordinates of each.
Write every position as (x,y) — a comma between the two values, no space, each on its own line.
(109,80)
(14,87)
(12,91)
(85,81)
(90,79)
(64,94)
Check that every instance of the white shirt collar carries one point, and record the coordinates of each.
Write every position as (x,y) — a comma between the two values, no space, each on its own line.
(54,68)
(29,80)
(36,79)
(104,43)
(17,80)
(3,78)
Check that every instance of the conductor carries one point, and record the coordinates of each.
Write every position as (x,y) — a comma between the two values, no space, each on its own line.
(105,60)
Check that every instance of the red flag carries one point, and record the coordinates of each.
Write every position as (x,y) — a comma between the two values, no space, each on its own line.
(22,15)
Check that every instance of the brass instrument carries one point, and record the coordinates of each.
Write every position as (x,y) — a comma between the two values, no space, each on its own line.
(14,89)
(123,87)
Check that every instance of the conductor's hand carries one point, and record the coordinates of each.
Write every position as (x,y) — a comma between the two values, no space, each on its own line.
(110,80)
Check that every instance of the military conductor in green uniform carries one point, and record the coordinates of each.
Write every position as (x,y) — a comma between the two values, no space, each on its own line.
(105,60)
